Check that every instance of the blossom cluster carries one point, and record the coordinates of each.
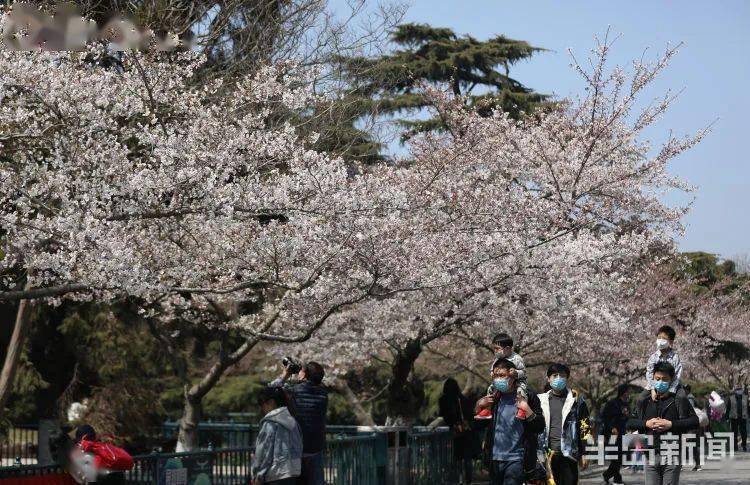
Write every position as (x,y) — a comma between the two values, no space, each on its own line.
(121,177)
(538,227)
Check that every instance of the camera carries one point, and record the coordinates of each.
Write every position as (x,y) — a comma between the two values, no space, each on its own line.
(293,365)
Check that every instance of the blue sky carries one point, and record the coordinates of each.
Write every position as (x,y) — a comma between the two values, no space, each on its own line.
(713,67)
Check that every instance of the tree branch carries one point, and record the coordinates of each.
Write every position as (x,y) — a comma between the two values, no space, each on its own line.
(35,293)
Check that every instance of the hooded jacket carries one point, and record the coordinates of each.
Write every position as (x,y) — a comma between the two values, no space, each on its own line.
(278,447)
(576,429)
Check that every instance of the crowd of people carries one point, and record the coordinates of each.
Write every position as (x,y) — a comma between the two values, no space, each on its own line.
(535,438)
(524,437)
(509,426)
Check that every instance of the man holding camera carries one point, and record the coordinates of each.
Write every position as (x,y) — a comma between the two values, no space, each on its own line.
(310,401)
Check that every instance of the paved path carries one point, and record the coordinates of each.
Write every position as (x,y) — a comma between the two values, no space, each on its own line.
(734,471)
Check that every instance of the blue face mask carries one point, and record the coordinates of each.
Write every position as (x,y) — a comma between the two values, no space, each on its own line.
(559,383)
(661,386)
(501,384)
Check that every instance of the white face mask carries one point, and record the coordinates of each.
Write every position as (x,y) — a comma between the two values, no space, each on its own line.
(662,343)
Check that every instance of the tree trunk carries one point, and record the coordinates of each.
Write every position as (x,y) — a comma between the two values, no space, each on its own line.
(187,439)
(405,391)
(364,417)
(15,347)
(469,386)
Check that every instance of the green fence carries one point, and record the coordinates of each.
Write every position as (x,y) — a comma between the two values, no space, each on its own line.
(349,461)
(430,458)
(403,456)
(217,435)
(220,467)
(238,435)
(354,456)
(354,460)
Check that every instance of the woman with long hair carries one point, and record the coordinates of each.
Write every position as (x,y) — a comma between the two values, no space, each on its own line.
(457,412)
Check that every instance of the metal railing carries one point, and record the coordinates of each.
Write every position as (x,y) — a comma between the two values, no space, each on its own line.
(21,443)
(220,434)
(403,455)
(354,455)
(22,471)
(222,467)
(348,461)
(352,460)
(430,457)
(216,435)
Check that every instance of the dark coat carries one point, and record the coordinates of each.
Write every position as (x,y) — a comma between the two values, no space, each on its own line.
(613,416)
(735,404)
(450,409)
(310,405)
(531,430)
(465,444)
(676,409)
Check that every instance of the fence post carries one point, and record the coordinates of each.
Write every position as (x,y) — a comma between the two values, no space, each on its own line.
(381,457)
(153,465)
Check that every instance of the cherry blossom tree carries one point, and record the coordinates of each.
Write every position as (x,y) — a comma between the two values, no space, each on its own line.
(553,211)
(121,179)
(610,344)
(712,337)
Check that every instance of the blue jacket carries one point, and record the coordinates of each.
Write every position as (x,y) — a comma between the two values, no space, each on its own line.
(278,447)
(575,428)
(531,429)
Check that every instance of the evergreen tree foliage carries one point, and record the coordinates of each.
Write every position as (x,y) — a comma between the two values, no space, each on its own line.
(478,70)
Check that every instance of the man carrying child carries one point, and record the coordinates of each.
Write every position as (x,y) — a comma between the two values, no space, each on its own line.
(665,352)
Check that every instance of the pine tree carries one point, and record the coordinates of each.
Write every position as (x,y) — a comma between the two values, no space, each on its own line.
(477,70)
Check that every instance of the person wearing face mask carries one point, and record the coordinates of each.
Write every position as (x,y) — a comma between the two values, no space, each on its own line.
(665,413)
(737,411)
(567,427)
(665,352)
(502,344)
(510,441)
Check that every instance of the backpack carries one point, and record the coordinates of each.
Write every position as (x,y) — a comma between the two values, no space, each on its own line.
(107,455)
